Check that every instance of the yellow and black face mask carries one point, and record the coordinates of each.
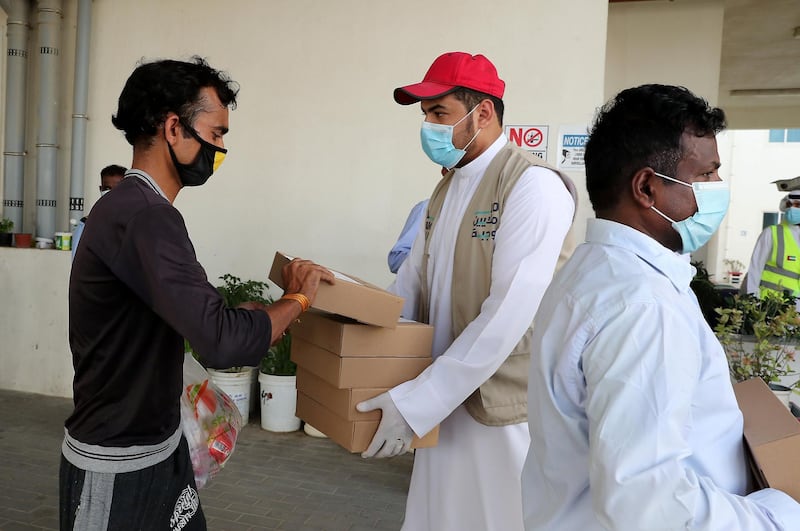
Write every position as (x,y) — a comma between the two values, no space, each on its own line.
(208,160)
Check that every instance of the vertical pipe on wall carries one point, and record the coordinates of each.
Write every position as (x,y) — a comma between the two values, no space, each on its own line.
(15,105)
(49,40)
(79,112)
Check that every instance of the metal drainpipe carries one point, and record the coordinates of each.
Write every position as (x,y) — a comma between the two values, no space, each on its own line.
(49,39)
(16,88)
(79,116)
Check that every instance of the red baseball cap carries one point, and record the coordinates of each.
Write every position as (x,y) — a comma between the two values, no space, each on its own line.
(450,71)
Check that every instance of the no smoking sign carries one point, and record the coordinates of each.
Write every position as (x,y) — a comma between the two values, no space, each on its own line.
(531,138)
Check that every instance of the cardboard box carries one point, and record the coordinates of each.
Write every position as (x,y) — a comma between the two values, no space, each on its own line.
(341,402)
(347,337)
(350,296)
(354,436)
(772,435)
(357,372)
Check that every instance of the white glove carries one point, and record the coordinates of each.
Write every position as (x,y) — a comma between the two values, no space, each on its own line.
(394,434)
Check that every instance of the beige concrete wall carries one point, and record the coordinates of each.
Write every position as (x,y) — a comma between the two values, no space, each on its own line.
(760,32)
(34,349)
(680,43)
(786,116)
(322,162)
(674,43)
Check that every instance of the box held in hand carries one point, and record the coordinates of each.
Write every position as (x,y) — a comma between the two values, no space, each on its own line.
(772,435)
(349,296)
(357,372)
(346,337)
(353,436)
(341,402)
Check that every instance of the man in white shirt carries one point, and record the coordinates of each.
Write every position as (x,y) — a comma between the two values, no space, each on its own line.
(494,228)
(633,420)
(775,263)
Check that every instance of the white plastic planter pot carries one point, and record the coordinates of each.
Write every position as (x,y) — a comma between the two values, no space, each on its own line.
(238,386)
(278,403)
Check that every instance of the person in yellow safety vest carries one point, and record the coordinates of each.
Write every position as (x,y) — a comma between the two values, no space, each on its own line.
(775,263)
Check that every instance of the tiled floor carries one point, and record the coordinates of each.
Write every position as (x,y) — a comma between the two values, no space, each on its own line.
(273,481)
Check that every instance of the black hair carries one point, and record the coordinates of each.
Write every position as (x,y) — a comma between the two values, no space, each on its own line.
(470,98)
(642,127)
(113,169)
(157,88)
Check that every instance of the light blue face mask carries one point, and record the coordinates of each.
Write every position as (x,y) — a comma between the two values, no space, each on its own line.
(712,200)
(792,215)
(437,142)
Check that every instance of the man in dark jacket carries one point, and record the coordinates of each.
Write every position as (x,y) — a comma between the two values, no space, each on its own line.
(136,291)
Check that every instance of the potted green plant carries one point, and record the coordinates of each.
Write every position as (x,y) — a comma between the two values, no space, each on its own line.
(23,240)
(760,338)
(735,271)
(709,297)
(240,383)
(278,361)
(276,373)
(6,226)
(279,388)
(235,291)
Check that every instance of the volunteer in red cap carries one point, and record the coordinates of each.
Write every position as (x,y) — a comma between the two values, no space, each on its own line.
(495,226)
(778,271)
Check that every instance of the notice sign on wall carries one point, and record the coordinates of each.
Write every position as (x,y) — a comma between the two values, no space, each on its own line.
(531,138)
(571,147)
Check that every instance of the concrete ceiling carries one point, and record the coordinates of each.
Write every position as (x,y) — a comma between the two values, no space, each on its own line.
(760,64)
(759,83)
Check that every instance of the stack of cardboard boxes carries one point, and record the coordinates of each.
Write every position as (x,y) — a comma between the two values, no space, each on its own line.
(353,350)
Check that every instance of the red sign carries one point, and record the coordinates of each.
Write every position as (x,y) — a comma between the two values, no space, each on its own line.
(527,137)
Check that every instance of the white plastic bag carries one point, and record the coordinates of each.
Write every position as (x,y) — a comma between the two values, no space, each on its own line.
(210,421)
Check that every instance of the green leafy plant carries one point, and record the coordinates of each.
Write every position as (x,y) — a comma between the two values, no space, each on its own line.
(235,291)
(708,296)
(277,361)
(760,336)
(734,266)
(6,225)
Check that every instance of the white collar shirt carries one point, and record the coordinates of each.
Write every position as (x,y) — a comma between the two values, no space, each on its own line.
(632,416)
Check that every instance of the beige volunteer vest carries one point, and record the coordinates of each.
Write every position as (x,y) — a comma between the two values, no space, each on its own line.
(502,399)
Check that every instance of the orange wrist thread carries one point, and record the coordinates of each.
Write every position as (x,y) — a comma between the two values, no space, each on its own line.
(305,304)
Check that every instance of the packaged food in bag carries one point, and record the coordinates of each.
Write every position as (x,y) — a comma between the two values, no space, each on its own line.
(210,421)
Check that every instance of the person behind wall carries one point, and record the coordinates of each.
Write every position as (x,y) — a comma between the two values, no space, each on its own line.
(136,291)
(633,420)
(475,387)
(399,252)
(775,262)
(110,176)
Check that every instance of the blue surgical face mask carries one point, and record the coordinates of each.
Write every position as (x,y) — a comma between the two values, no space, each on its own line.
(792,215)
(712,200)
(437,142)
